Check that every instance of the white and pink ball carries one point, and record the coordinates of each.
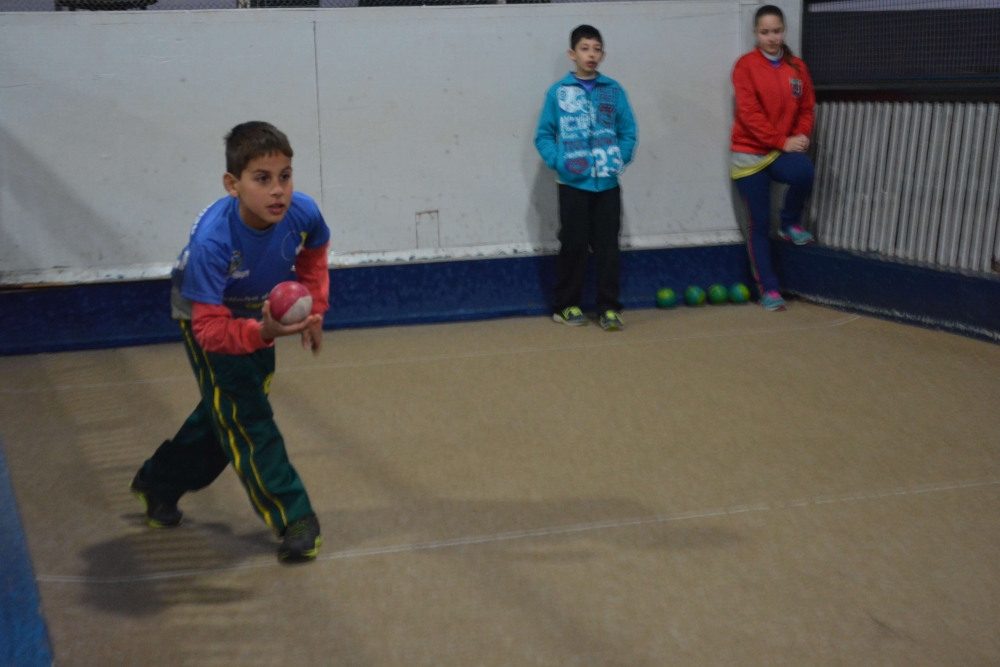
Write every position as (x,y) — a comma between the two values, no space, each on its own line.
(290,302)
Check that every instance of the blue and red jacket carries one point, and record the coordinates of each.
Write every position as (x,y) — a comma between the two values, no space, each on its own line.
(225,273)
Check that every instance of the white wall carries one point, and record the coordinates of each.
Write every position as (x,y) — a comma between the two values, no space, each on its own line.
(111,126)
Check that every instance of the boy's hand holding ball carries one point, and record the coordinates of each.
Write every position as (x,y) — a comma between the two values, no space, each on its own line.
(286,312)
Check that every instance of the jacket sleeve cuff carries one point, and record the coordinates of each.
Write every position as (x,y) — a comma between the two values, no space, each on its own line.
(312,270)
(216,330)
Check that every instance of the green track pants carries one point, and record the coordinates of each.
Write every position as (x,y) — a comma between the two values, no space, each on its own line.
(234,424)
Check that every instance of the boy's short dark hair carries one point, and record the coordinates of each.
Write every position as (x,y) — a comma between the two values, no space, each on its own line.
(584,32)
(248,141)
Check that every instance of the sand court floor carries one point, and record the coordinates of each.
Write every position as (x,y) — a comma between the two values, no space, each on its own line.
(711,486)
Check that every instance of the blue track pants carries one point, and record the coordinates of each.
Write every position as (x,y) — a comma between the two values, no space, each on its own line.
(796,170)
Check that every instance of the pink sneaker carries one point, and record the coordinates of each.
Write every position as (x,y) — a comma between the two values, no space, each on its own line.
(796,235)
(771,300)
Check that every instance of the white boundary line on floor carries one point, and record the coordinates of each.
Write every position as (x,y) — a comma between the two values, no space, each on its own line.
(522,534)
(446,357)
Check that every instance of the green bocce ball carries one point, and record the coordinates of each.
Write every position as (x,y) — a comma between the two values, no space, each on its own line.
(739,293)
(666,298)
(694,296)
(718,294)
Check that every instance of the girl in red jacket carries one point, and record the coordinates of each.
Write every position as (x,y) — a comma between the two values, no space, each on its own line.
(774,118)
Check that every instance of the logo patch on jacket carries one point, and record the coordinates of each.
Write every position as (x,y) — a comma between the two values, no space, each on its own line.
(796,87)
(572,99)
(235,263)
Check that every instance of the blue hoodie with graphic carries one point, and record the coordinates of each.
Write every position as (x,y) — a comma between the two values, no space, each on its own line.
(588,138)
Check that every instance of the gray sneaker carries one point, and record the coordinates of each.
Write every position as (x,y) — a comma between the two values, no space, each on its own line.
(301,540)
(572,316)
(612,321)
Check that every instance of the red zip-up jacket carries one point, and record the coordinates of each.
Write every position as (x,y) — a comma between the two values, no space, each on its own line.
(772,103)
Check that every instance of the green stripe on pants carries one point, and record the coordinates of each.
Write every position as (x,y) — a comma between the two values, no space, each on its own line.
(234,399)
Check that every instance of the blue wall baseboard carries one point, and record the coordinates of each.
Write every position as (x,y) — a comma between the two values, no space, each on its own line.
(107,315)
(959,302)
(136,313)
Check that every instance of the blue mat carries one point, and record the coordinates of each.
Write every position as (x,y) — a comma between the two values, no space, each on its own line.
(24,642)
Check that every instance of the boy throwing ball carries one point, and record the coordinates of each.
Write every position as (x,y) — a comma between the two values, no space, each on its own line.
(587,133)
(240,248)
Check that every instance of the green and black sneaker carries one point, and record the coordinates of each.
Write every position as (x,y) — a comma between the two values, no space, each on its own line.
(612,321)
(301,540)
(572,316)
(158,515)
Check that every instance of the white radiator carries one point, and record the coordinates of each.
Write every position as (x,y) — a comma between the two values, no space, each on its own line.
(910,180)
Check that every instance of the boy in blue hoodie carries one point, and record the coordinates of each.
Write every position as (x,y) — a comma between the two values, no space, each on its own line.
(587,133)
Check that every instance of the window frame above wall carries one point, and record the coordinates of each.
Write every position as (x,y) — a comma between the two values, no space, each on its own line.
(907,34)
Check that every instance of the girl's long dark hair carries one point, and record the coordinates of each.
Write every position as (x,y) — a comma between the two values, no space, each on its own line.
(771,10)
